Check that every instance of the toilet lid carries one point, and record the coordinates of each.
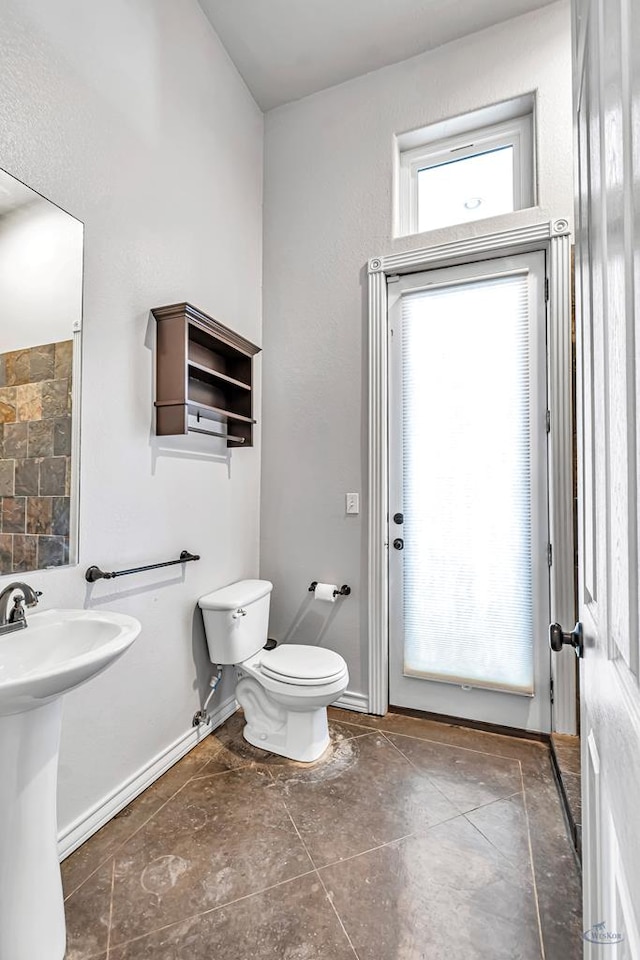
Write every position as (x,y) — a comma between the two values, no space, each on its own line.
(295,663)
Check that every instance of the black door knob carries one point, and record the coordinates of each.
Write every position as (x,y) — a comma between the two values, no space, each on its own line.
(398,518)
(558,638)
(398,543)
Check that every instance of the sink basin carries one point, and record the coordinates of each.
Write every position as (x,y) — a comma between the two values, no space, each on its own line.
(57,651)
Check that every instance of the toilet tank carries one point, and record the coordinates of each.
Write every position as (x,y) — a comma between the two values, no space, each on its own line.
(236,620)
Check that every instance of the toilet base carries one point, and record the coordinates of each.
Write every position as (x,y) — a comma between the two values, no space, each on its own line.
(286,746)
(301,735)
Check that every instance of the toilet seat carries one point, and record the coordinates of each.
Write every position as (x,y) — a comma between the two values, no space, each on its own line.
(301,665)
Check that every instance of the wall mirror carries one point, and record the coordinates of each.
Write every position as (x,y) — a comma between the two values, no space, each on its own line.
(40,330)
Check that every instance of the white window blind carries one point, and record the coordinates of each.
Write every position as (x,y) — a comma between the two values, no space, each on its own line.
(468,604)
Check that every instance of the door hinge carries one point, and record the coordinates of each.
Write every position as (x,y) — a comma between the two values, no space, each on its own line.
(551,692)
(394,279)
(546,289)
(548,421)
(549,554)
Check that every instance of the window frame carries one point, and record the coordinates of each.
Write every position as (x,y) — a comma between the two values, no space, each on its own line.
(516,132)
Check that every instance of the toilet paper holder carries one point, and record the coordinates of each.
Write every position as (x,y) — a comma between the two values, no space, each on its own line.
(344,590)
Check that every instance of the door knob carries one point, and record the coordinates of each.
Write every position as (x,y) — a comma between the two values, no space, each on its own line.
(398,543)
(398,518)
(558,638)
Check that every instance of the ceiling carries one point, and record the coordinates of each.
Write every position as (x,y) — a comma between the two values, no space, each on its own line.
(287,49)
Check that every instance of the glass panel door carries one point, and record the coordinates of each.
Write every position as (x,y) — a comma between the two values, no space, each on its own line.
(469,573)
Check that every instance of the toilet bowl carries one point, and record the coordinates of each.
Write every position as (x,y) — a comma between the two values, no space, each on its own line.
(284,692)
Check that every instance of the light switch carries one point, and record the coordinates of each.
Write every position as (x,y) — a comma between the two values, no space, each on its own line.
(353,502)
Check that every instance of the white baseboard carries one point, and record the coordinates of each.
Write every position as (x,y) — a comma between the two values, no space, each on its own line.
(86,825)
(353,701)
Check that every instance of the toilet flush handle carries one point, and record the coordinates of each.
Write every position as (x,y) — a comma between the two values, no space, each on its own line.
(238,613)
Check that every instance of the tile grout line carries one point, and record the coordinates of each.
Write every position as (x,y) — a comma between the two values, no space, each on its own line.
(381,846)
(339,918)
(462,813)
(533,869)
(425,775)
(119,846)
(482,806)
(389,843)
(321,881)
(486,839)
(453,746)
(249,765)
(483,834)
(366,731)
(205,913)
(113,883)
(444,743)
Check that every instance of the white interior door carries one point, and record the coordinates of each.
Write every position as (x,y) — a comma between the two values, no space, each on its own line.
(607,109)
(468,536)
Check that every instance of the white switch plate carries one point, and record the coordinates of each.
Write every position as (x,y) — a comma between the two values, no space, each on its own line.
(352,502)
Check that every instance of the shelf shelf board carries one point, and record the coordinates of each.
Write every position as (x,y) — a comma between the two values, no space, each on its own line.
(203,408)
(208,375)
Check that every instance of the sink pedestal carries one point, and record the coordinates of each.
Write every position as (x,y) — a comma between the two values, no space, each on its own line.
(32,923)
(57,652)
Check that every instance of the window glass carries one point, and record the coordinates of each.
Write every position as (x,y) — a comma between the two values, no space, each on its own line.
(471,188)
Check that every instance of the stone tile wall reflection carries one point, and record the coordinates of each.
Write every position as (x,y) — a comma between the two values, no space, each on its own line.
(35,457)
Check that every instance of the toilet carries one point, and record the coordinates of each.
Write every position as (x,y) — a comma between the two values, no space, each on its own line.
(284,692)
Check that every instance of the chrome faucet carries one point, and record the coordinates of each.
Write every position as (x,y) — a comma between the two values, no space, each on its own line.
(15,619)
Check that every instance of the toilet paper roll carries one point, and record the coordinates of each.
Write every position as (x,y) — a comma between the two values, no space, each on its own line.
(324,591)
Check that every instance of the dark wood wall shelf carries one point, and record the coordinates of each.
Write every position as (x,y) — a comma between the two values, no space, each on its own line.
(205,370)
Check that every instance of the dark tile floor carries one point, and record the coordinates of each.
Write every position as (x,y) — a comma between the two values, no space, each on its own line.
(409,840)
(566,752)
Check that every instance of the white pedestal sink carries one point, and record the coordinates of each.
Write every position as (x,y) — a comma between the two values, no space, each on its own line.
(58,650)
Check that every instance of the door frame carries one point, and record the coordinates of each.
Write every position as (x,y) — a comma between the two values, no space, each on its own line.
(553,238)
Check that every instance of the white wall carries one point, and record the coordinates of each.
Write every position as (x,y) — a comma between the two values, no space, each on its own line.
(40,275)
(131,117)
(328,209)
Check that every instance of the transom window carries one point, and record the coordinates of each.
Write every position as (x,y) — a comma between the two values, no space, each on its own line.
(467,168)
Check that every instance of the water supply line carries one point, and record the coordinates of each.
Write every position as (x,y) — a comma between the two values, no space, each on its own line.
(201,716)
